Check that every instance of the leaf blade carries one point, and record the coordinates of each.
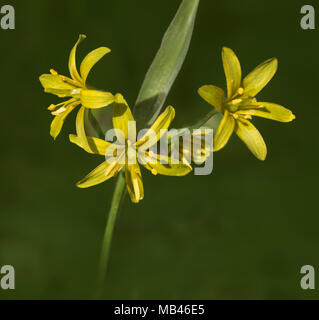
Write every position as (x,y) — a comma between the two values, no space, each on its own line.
(166,64)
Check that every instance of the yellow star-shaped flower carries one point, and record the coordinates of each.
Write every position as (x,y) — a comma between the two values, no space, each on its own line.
(76,89)
(240,104)
(127,153)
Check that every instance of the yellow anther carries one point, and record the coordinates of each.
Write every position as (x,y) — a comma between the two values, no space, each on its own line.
(54,106)
(240,91)
(235,115)
(59,111)
(118,98)
(254,100)
(236,101)
(52,71)
(154,172)
(151,153)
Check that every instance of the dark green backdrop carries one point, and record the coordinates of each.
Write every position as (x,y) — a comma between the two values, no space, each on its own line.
(242,232)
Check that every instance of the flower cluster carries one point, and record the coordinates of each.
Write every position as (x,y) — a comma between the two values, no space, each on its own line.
(127,152)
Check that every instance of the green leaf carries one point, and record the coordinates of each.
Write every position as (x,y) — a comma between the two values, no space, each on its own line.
(98,121)
(159,78)
(210,121)
(166,64)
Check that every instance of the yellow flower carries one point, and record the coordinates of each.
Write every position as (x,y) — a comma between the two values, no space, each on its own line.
(240,104)
(127,152)
(76,89)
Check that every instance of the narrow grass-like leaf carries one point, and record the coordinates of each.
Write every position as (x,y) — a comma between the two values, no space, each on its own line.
(166,64)
(160,76)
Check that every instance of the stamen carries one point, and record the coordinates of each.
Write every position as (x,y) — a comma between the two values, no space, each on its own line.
(235,115)
(76,91)
(52,71)
(240,91)
(154,172)
(59,111)
(236,101)
(54,106)
(151,153)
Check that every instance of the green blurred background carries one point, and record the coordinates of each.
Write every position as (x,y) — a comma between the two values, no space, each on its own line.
(241,233)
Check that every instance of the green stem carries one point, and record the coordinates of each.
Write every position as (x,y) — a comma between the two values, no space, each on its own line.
(118,195)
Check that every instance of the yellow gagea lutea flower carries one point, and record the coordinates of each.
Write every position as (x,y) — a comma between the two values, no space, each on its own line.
(240,104)
(127,152)
(75,88)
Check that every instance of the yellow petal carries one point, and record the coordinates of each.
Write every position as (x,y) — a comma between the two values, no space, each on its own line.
(134,182)
(248,133)
(90,60)
(80,130)
(72,61)
(121,116)
(224,131)
(168,168)
(55,85)
(158,128)
(94,99)
(57,123)
(97,146)
(100,174)
(232,71)
(255,81)
(213,95)
(269,111)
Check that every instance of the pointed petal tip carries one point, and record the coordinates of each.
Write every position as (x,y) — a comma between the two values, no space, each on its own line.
(172,110)
(262,157)
(71,137)
(79,185)
(275,62)
(227,50)
(118,98)
(54,136)
(203,87)
(106,49)
(224,48)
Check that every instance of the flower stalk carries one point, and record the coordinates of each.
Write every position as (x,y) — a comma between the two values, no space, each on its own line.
(118,196)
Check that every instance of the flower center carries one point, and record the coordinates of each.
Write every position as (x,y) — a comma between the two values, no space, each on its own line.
(233,105)
(76,92)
